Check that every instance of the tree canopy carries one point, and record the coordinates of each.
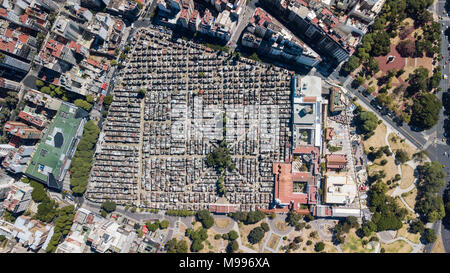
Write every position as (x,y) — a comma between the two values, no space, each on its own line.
(254,217)
(82,161)
(256,235)
(205,217)
(109,206)
(425,111)
(367,122)
(62,226)
(429,203)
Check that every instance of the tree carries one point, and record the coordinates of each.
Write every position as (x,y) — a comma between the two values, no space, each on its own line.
(387,215)
(254,217)
(384,99)
(425,111)
(265,227)
(83,104)
(435,79)
(239,216)
(293,218)
(164,224)
(416,226)
(418,80)
(196,246)
(171,245)
(367,122)
(381,44)
(255,235)
(63,224)
(38,194)
(90,98)
(204,216)
(45,89)
(352,63)
(232,235)
(39,83)
(401,156)
(360,80)
(405,32)
(182,246)
(406,48)
(233,246)
(141,93)
(373,65)
(220,158)
(153,226)
(319,246)
(109,206)
(429,236)
(46,210)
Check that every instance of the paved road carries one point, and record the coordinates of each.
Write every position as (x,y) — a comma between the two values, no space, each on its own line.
(242,23)
(437,150)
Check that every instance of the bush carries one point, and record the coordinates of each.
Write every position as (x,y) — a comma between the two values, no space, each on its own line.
(265,227)
(217,237)
(319,246)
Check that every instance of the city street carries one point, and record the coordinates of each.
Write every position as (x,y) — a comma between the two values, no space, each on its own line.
(242,23)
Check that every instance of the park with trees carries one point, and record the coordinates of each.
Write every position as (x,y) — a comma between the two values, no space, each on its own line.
(404,29)
(387,214)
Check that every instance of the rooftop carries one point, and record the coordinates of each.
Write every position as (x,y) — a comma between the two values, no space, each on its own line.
(53,155)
